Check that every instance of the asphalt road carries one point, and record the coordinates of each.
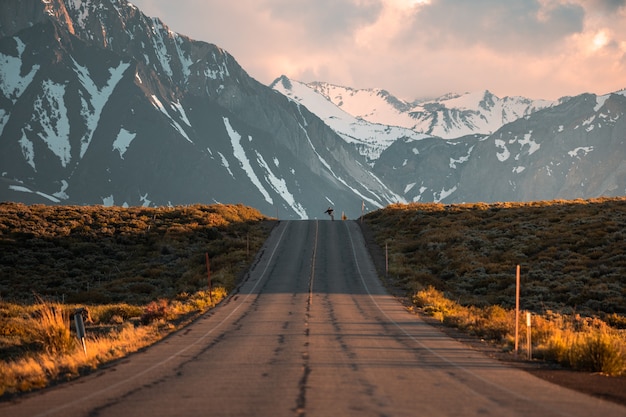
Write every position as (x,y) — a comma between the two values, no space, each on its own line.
(310,332)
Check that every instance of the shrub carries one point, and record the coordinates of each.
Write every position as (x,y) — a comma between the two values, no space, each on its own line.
(51,329)
(156,310)
(495,323)
(106,313)
(598,352)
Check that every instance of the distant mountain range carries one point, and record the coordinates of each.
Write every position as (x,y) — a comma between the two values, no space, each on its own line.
(509,149)
(100,104)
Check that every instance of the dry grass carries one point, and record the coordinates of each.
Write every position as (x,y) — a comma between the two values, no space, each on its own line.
(140,272)
(458,263)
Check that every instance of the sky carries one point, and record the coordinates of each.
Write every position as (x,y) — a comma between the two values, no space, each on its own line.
(416,49)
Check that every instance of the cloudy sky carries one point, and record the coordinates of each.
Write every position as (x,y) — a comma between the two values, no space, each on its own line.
(417,48)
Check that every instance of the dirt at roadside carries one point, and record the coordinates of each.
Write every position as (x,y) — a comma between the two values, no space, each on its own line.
(594,384)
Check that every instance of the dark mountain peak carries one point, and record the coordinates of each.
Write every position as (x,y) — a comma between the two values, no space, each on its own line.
(100,104)
(284,81)
(488,101)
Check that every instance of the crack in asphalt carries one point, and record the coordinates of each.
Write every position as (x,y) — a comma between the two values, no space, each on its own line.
(300,409)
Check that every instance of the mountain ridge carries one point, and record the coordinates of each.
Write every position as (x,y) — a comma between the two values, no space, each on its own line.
(182,123)
(100,104)
(434,168)
(479,112)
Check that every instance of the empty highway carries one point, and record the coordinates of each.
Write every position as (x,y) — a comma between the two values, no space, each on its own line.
(310,332)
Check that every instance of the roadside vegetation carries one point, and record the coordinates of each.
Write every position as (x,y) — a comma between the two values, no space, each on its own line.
(457,263)
(139,272)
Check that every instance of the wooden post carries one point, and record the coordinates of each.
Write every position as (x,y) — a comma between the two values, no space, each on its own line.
(517,284)
(208,271)
(386,259)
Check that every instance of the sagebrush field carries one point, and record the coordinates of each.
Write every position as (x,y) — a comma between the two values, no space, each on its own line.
(572,254)
(458,264)
(139,272)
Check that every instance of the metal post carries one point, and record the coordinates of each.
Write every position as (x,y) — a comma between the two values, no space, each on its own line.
(80,327)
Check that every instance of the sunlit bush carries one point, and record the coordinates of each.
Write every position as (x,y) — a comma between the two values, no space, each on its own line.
(51,328)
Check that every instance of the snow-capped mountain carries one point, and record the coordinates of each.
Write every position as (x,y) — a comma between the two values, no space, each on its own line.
(472,159)
(449,117)
(572,150)
(371,139)
(100,104)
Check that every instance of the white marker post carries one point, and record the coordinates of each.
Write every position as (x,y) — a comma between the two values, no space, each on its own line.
(528,336)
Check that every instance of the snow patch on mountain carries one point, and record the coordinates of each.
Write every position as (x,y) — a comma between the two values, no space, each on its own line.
(180,111)
(580,151)
(440,196)
(123,141)
(528,141)
(280,186)
(504,153)
(23,189)
(97,98)
(184,59)
(454,162)
(158,46)
(12,84)
(240,154)
(51,114)
(226,165)
(81,7)
(28,150)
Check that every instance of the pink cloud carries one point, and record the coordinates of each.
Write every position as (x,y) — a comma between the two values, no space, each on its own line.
(534,48)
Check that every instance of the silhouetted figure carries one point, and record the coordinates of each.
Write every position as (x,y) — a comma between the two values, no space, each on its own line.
(329,211)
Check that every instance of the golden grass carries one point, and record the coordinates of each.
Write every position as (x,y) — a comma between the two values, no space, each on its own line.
(573,260)
(584,344)
(36,369)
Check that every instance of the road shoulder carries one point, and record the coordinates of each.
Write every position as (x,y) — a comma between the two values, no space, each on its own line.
(594,384)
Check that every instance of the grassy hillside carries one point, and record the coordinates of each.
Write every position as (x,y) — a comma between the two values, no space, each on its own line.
(140,272)
(458,264)
(572,253)
(102,255)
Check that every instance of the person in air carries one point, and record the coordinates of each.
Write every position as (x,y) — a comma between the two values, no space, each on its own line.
(329,211)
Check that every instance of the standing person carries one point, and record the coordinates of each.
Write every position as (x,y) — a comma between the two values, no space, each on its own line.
(329,211)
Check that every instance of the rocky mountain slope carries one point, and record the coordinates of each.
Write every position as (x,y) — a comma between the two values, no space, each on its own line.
(100,104)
